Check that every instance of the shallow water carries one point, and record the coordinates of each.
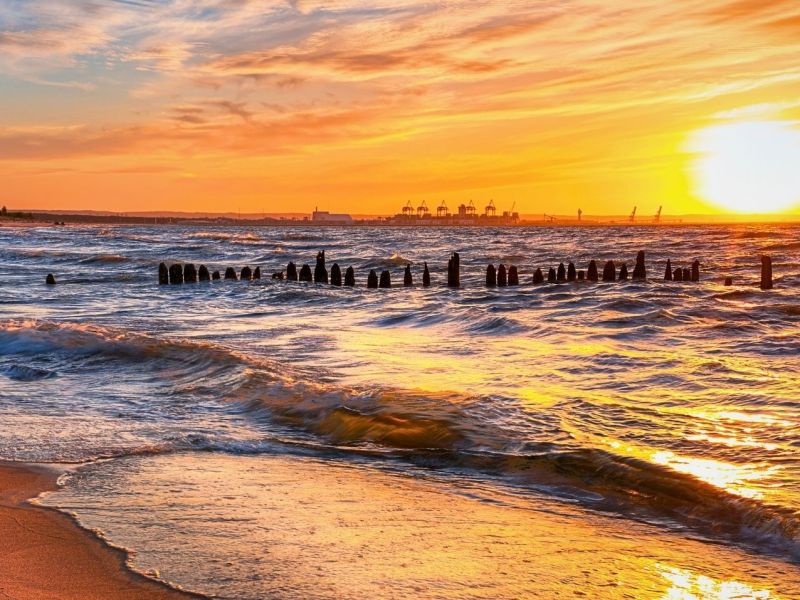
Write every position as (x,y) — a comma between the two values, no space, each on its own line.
(657,412)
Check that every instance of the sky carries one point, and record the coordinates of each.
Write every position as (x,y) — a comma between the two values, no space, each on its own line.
(360,106)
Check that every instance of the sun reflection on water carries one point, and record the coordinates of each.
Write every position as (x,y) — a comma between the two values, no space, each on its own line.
(686,585)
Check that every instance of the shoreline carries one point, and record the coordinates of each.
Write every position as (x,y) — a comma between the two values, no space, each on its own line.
(45,553)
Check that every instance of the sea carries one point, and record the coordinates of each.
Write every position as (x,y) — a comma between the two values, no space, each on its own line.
(286,440)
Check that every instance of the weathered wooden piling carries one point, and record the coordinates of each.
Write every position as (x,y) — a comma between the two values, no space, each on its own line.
(426,276)
(677,274)
(640,270)
(513,275)
(728,281)
(291,272)
(454,271)
(592,274)
(696,271)
(668,271)
(491,276)
(408,279)
(257,273)
(538,276)
(385,280)
(203,274)
(623,272)
(278,275)
(215,276)
(502,278)
(189,273)
(230,273)
(336,275)
(305,274)
(571,274)
(581,275)
(766,272)
(610,271)
(551,276)
(350,277)
(247,274)
(320,272)
(50,279)
(561,273)
(687,274)
(175,274)
(163,274)
(372,279)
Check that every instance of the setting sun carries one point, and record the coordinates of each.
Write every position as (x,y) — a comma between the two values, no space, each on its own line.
(749,167)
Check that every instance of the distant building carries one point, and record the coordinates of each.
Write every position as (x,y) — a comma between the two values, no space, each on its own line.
(323,216)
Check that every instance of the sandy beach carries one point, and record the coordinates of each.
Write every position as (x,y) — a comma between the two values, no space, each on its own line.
(44,554)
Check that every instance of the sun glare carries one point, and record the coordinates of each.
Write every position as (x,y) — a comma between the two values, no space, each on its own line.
(748,167)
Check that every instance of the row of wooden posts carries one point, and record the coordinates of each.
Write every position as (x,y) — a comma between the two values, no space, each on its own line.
(500,277)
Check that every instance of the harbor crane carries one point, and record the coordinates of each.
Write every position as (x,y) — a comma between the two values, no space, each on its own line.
(422,209)
(632,218)
(442,210)
(657,218)
(549,218)
(490,209)
(471,208)
(408,209)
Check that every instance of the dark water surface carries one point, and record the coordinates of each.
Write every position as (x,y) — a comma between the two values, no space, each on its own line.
(667,413)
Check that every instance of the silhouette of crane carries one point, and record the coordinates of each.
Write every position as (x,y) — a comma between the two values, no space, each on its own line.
(490,209)
(442,211)
(657,218)
(471,208)
(422,209)
(408,209)
(632,218)
(549,218)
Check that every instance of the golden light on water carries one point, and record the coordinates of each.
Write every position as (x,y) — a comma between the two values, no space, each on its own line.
(730,477)
(686,585)
(748,167)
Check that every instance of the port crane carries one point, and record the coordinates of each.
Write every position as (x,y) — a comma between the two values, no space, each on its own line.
(408,209)
(471,208)
(549,218)
(422,209)
(490,209)
(632,218)
(442,210)
(657,218)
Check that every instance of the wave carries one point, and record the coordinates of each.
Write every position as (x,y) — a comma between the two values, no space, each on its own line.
(104,258)
(439,430)
(231,236)
(25,373)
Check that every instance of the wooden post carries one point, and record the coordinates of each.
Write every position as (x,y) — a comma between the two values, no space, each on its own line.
(677,274)
(163,274)
(189,273)
(350,277)
(668,271)
(640,270)
(551,276)
(491,276)
(372,280)
(454,271)
(538,276)
(215,276)
(766,272)
(305,274)
(277,276)
(561,273)
(687,274)
(408,279)
(203,274)
(513,275)
(610,271)
(257,273)
(386,280)
(728,281)
(426,276)
(175,274)
(320,272)
(247,274)
(696,271)
(571,275)
(230,273)
(291,272)
(592,275)
(336,275)
(623,272)
(50,280)
(502,280)
(581,275)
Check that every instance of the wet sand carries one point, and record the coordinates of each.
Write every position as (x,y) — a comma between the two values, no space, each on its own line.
(44,554)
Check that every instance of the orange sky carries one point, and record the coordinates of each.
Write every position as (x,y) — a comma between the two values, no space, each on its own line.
(219,105)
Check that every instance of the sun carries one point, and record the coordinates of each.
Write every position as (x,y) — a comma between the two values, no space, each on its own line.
(748,167)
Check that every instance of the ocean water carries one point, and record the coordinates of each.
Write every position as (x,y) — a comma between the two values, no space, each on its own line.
(272,439)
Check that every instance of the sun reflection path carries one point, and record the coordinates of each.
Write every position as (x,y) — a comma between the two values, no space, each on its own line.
(686,585)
